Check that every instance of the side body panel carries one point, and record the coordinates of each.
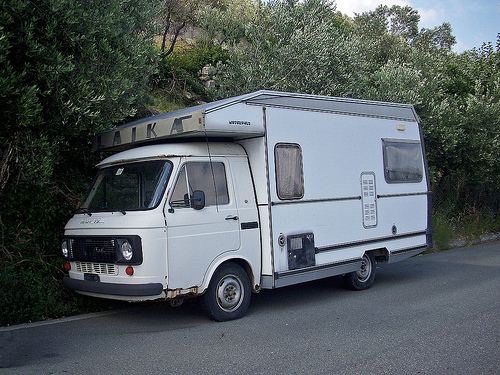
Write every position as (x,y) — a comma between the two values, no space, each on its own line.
(339,154)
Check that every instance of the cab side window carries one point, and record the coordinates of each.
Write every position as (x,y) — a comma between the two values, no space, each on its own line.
(205,176)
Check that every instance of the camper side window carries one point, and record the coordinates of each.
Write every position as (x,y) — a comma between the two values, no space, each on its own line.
(207,177)
(402,161)
(289,171)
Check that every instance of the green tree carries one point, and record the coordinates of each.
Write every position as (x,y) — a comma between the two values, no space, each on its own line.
(392,34)
(387,33)
(293,46)
(439,38)
(393,82)
(463,130)
(226,25)
(174,16)
(68,69)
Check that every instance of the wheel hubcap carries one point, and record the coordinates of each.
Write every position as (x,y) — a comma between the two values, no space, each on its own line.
(229,293)
(366,269)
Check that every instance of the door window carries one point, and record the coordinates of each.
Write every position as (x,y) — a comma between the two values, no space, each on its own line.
(205,176)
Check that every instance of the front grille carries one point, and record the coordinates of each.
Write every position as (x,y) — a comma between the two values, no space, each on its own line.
(93,249)
(99,268)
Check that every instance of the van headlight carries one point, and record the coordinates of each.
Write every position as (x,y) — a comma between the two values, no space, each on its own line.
(126,250)
(65,249)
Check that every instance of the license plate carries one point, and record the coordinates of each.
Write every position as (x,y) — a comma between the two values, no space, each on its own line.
(91,277)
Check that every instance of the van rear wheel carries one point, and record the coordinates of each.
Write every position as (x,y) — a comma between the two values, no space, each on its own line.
(364,277)
(228,294)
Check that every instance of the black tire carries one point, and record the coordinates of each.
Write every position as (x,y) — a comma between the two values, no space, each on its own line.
(228,294)
(364,277)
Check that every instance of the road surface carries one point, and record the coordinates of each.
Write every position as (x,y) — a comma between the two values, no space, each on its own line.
(432,314)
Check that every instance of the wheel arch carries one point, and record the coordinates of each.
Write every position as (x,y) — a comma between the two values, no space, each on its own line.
(381,255)
(242,262)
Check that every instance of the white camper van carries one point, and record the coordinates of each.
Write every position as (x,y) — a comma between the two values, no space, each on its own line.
(254,192)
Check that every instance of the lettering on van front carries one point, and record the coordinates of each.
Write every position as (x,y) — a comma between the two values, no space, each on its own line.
(151,130)
(177,125)
(235,122)
(117,140)
(98,220)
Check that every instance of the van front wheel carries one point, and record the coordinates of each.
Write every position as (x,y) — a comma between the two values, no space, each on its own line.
(364,277)
(228,294)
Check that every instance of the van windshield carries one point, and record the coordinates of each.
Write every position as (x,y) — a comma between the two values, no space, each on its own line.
(125,187)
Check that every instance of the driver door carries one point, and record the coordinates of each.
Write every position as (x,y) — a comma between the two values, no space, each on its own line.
(195,237)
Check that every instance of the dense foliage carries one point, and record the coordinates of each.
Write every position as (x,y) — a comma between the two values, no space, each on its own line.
(69,69)
(294,47)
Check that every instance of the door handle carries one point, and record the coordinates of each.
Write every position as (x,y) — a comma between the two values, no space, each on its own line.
(232,217)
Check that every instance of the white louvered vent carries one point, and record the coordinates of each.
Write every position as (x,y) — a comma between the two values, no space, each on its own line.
(98,268)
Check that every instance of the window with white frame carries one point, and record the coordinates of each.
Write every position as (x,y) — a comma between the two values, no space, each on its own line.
(289,171)
(205,176)
(403,161)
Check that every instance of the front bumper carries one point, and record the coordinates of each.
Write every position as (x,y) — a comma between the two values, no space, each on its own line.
(127,290)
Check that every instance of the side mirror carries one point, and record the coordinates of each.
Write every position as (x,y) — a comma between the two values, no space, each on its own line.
(198,199)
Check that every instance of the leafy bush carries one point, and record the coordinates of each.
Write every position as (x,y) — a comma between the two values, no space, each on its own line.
(443,232)
(71,68)
(32,290)
(179,72)
(294,46)
(449,224)
(68,69)
(32,219)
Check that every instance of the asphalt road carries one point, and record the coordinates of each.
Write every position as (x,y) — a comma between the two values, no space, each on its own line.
(432,314)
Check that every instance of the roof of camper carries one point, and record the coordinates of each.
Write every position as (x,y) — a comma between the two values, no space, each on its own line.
(191,122)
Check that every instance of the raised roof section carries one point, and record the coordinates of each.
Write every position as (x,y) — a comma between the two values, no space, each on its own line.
(347,106)
(239,117)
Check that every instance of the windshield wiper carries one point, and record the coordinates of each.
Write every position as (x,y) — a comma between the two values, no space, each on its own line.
(107,209)
(110,209)
(84,211)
